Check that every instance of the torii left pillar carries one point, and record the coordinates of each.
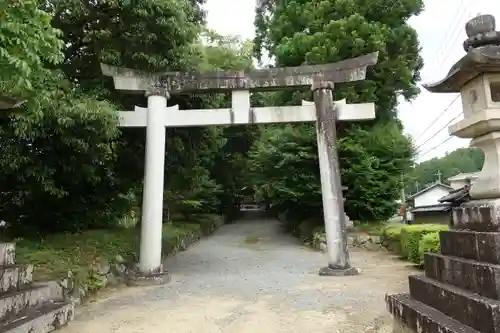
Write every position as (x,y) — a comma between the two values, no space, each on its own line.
(152,200)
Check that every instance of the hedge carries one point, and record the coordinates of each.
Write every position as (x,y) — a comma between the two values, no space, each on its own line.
(428,243)
(410,239)
(391,236)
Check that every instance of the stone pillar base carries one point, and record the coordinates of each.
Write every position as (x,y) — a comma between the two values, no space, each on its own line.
(329,271)
(136,278)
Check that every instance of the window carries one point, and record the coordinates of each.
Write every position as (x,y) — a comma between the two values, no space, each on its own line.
(495,91)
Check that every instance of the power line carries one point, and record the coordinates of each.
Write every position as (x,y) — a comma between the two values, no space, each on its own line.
(445,37)
(456,33)
(436,146)
(436,119)
(442,128)
(455,18)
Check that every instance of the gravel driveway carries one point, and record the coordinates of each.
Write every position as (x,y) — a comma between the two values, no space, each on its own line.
(250,277)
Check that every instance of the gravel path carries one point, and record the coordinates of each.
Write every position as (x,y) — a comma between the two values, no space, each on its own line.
(250,277)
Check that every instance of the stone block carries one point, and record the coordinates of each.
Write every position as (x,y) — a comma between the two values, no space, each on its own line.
(479,277)
(7,253)
(151,279)
(477,215)
(15,277)
(46,319)
(470,309)
(411,316)
(329,271)
(480,246)
(13,303)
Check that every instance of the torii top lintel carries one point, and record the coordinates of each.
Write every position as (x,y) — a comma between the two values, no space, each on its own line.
(348,70)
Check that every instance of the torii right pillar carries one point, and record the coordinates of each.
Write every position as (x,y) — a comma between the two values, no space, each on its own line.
(460,291)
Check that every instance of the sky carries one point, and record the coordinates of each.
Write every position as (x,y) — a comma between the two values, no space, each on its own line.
(441,33)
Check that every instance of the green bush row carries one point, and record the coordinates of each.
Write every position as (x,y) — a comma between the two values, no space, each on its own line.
(187,231)
(412,241)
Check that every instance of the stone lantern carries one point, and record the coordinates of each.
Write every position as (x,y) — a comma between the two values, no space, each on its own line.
(460,291)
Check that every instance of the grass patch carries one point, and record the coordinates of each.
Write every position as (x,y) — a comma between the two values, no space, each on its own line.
(54,255)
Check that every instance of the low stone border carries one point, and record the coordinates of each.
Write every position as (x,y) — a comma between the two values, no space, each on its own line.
(363,241)
(109,273)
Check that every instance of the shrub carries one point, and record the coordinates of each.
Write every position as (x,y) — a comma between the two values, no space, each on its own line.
(209,222)
(391,236)
(428,243)
(204,223)
(307,228)
(410,238)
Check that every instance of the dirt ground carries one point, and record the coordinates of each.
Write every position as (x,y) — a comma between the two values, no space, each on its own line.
(249,277)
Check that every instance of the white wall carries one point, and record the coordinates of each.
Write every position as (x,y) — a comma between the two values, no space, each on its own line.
(430,197)
(456,184)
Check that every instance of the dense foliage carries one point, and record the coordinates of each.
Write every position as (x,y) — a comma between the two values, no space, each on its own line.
(27,41)
(65,164)
(462,160)
(374,156)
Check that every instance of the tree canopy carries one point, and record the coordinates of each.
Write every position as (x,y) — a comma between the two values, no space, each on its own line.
(27,42)
(67,165)
(462,160)
(300,32)
(374,155)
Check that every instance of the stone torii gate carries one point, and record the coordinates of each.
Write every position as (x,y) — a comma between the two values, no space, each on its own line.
(324,110)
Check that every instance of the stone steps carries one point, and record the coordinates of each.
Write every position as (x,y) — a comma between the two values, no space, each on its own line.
(14,302)
(419,317)
(44,319)
(471,309)
(26,307)
(480,277)
(7,254)
(15,277)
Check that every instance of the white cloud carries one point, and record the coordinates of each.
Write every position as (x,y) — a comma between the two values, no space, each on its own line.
(441,32)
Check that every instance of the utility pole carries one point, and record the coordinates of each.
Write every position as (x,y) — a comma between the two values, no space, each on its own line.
(403,199)
(417,185)
(403,196)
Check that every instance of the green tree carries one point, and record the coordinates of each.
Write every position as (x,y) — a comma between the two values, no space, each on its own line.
(230,168)
(67,166)
(300,32)
(152,36)
(373,155)
(57,160)
(27,41)
(462,160)
(147,35)
(286,169)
